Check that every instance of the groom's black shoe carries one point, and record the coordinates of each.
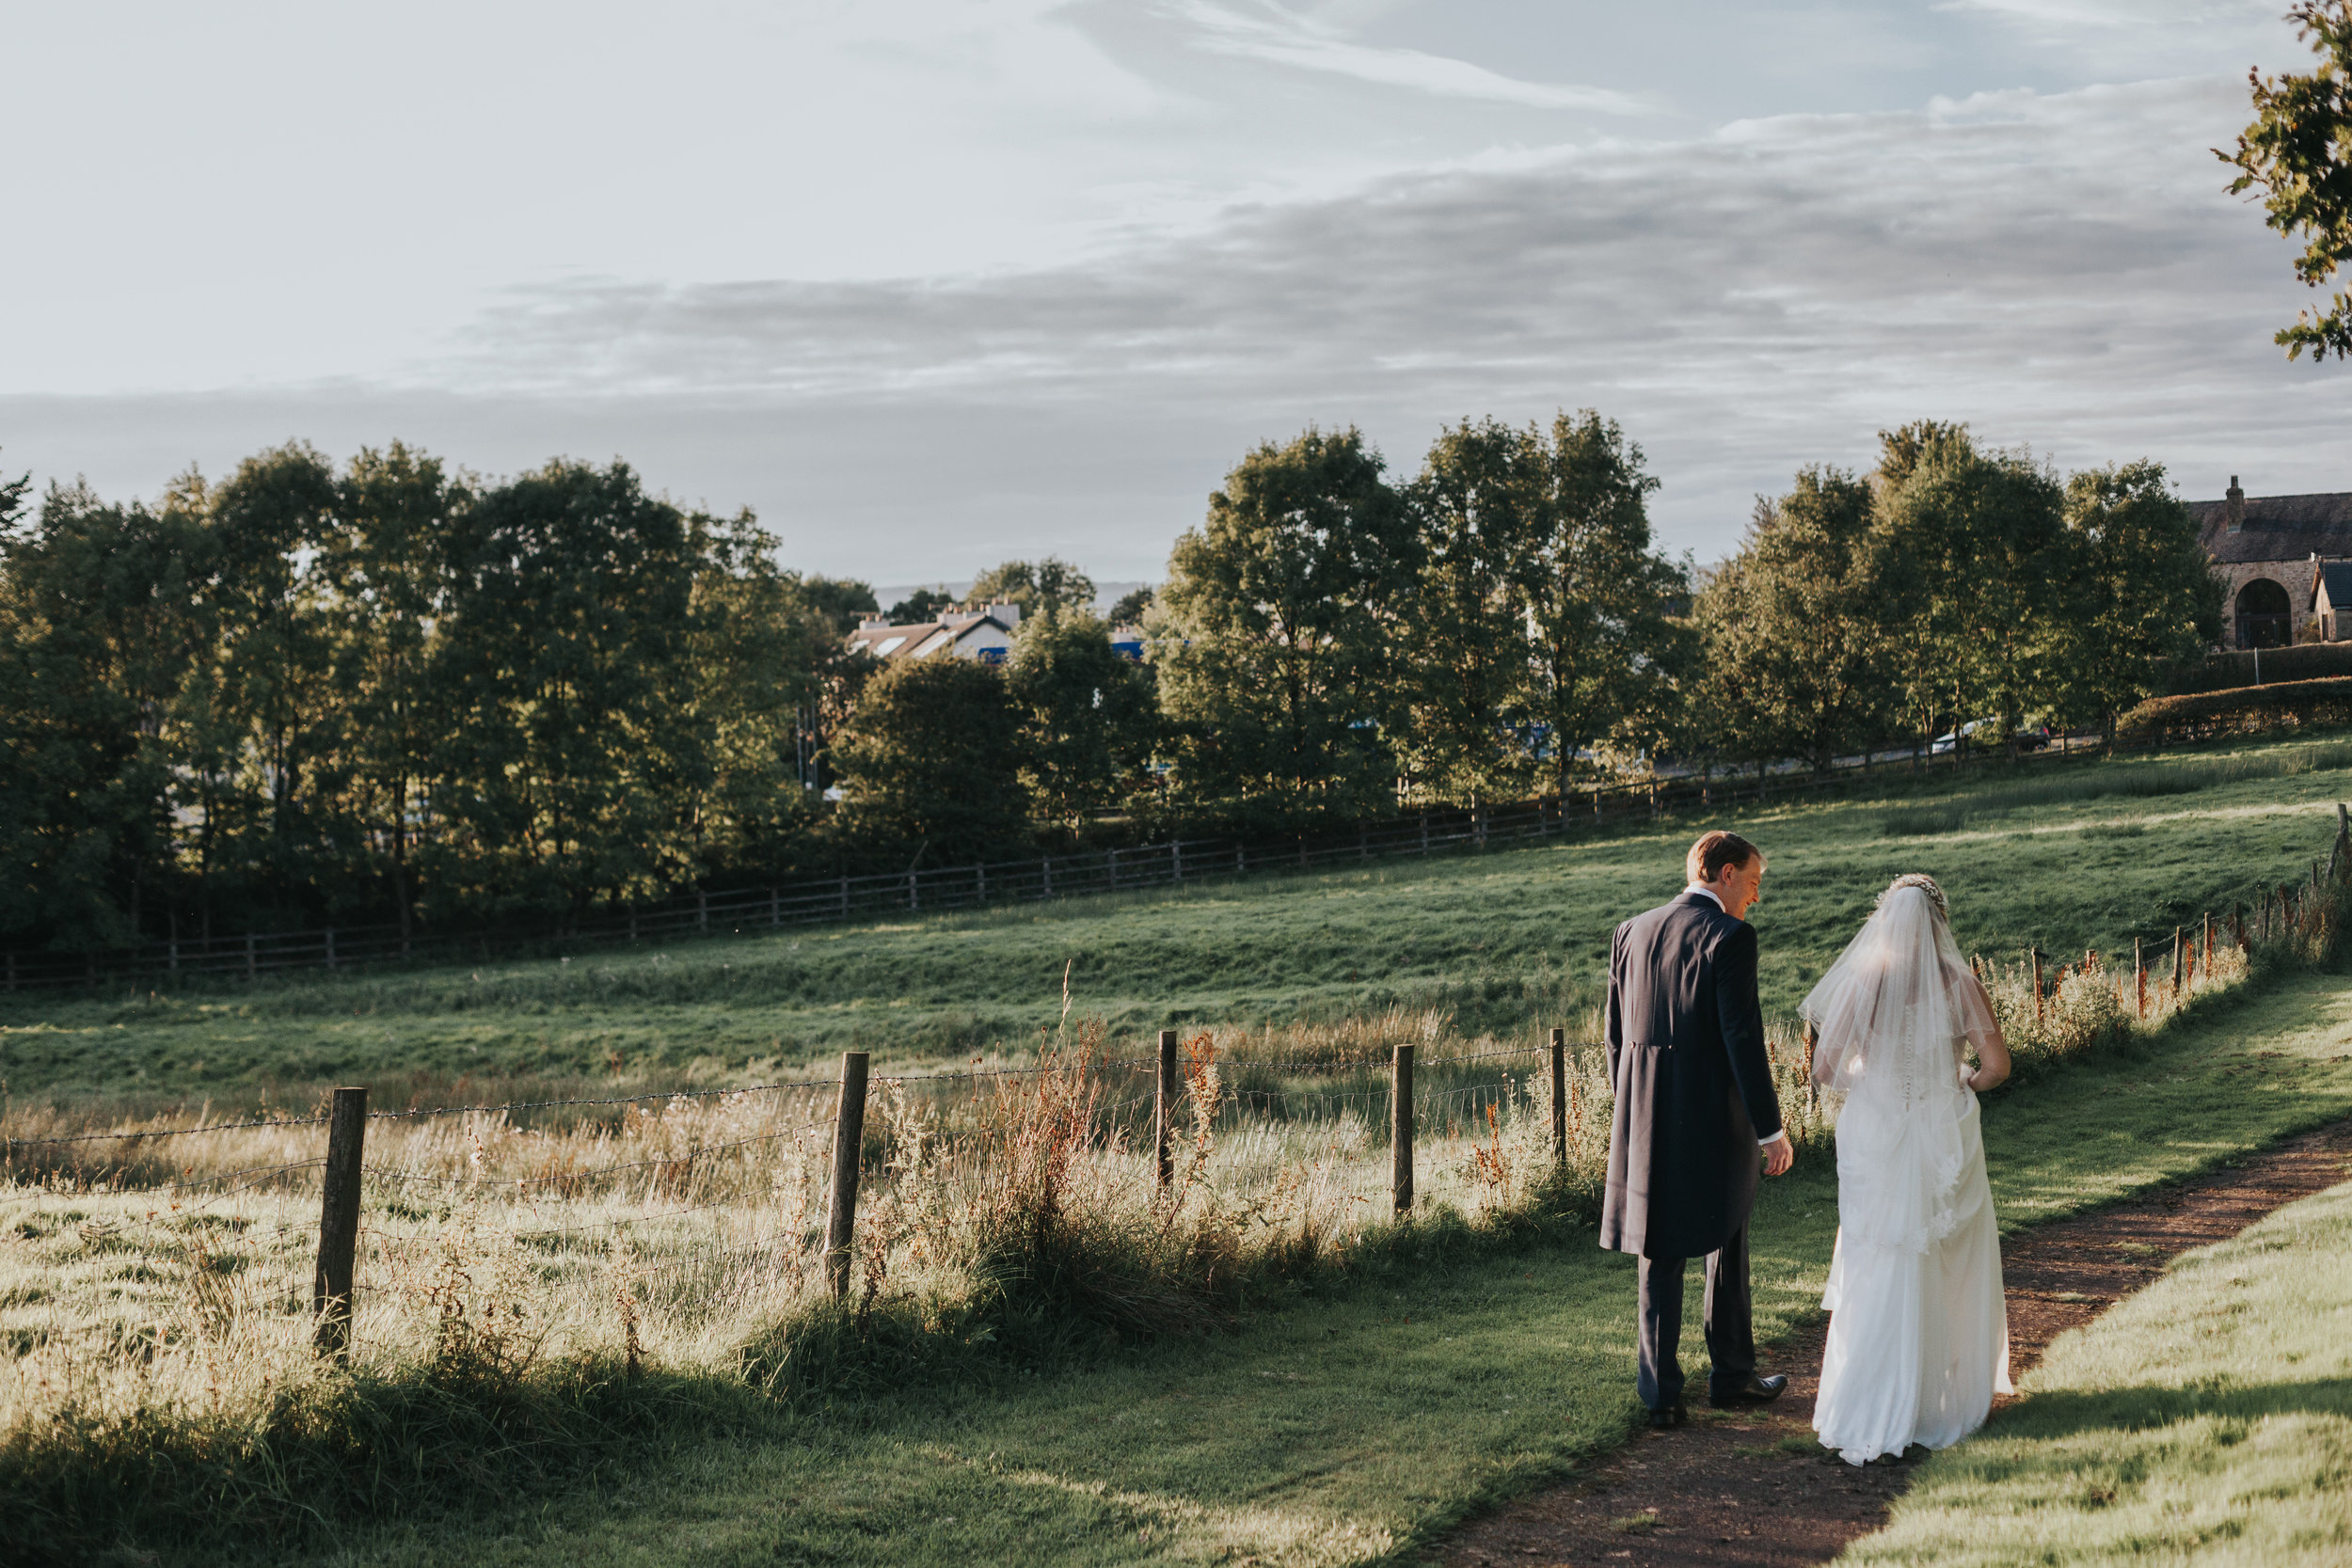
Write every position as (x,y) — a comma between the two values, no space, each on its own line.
(1672,1417)
(1756,1390)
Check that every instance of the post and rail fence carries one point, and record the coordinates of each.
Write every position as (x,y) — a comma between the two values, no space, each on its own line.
(704,912)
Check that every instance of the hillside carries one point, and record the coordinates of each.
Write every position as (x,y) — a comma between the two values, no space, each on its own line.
(2084,857)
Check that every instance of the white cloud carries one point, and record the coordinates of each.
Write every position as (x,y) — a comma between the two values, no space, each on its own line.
(1281,37)
(2062,269)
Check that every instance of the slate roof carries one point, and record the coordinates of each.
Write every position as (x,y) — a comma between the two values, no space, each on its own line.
(2277,528)
(2337,575)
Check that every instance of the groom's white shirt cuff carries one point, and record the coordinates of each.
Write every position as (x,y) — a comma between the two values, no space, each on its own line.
(1706,892)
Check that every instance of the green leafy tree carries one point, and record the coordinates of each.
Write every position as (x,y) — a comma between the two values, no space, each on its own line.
(924,604)
(1086,716)
(2299,153)
(1979,538)
(387,570)
(1130,607)
(574,745)
(1274,633)
(1606,646)
(1479,505)
(100,622)
(269,707)
(843,601)
(2143,593)
(1036,586)
(931,757)
(757,656)
(1798,626)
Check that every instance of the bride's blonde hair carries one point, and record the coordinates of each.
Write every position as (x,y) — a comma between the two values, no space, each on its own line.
(1926,884)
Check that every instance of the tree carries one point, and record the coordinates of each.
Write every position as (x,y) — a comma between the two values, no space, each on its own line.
(1086,715)
(924,604)
(573,747)
(931,756)
(386,568)
(1605,647)
(1978,542)
(2298,152)
(1478,504)
(270,699)
(99,622)
(1797,626)
(1036,586)
(1275,631)
(2143,591)
(843,601)
(757,655)
(1130,607)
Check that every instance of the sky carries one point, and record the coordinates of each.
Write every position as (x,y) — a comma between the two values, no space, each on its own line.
(930,284)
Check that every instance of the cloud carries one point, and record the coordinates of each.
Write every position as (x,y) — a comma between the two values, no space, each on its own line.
(1279,37)
(2062,270)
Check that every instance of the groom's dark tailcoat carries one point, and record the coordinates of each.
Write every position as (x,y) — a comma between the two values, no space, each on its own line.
(1694,1096)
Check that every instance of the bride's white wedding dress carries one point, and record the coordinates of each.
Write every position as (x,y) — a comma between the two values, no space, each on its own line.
(1918,1332)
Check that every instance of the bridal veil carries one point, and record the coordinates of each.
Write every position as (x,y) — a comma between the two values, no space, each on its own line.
(1918,1338)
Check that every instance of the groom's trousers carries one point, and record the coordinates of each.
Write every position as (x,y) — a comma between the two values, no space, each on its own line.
(1725,1317)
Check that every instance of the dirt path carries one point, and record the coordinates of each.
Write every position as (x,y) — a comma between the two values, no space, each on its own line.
(1757,1489)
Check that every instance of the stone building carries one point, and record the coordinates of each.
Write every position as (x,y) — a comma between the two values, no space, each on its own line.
(2265,549)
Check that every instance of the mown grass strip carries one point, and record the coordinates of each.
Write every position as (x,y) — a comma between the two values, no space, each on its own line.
(2207,1418)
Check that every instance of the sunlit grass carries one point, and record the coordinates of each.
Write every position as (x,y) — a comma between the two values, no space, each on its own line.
(2207,1419)
(1503,942)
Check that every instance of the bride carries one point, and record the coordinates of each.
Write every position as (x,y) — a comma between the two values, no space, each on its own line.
(1918,1333)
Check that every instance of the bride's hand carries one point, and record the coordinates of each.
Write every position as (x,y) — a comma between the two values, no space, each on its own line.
(1967,1078)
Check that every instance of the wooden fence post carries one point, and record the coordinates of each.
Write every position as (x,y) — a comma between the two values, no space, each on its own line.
(849,1147)
(775,908)
(2179,966)
(2036,952)
(1401,1128)
(1560,1097)
(1164,1110)
(338,1224)
(845,897)
(330,950)
(702,909)
(1176,858)
(2209,943)
(2139,974)
(249,965)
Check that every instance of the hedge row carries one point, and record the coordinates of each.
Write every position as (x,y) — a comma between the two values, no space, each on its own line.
(2242,710)
(2225,671)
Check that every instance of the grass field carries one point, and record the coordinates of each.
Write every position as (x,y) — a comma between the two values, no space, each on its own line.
(1350,1428)
(2087,857)
(1360,1407)
(2208,1417)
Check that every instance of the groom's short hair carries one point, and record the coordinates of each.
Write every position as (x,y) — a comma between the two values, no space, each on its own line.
(1715,851)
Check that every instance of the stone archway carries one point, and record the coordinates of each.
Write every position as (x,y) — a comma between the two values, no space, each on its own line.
(2264,614)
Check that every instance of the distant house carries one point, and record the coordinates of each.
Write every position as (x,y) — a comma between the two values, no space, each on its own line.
(1127,641)
(2331,603)
(2259,546)
(982,635)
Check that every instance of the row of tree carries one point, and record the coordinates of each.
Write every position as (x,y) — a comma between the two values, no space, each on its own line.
(389,691)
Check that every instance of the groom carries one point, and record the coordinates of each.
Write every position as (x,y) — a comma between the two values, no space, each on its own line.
(1695,1117)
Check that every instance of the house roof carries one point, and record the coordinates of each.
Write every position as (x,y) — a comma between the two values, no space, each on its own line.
(2277,528)
(921,639)
(2336,576)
